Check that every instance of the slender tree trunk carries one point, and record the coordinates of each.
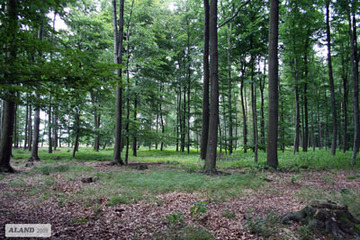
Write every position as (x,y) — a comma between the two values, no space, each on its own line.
(118,53)
(253,107)
(306,117)
(297,114)
(272,159)
(26,126)
(206,85)
(135,119)
(345,82)
(55,129)
(262,114)
(30,128)
(15,134)
(77,132)
(331,80)
(188,86)
(243,107)
(229,89)
(35,145)
(183,122)
(319,124)
(210,163)
(49,126)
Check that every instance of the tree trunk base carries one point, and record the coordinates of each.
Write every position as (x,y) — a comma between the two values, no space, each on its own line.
(7,169)
(34,159)
(327,216)
(116,162)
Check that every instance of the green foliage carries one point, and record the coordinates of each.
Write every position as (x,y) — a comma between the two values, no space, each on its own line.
(117,199)
(229,214)
(198,209)
(79,220)
(265,227)
(176,218)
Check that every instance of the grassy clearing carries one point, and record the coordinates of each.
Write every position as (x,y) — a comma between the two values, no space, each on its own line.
(320,159)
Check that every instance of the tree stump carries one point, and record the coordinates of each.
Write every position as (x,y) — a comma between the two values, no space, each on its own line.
(327,216)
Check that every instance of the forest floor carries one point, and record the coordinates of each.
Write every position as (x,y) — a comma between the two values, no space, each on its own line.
(169,200)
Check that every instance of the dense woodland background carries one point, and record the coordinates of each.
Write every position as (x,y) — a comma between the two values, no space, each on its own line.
(61,85)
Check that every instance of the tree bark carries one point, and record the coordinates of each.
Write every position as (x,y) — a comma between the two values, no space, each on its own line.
(35,145)
(243,107)
(135,119)
(118,45)
(331,80)
(206,85)
(253,108)
(210,163)
(297,112)
(355,78)
(229,89)
(272,159)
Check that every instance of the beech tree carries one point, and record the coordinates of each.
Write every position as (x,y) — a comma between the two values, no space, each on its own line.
(272,158)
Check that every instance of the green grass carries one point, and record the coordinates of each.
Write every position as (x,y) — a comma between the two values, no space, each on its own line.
(320,159)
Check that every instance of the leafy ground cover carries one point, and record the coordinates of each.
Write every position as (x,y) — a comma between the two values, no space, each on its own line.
(171,199)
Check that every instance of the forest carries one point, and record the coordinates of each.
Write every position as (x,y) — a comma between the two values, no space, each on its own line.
(170,119)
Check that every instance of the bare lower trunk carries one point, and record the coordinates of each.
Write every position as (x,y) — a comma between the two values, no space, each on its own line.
(35,146)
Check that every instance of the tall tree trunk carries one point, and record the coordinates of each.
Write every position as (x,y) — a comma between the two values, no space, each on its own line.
(297,113)
(253,107)
(135,119)
(230,89)
(15,134)
(345,82)
(6,132)
(77,131)
(30,128)
(262,114)
(188,86)
(55,129)
(49,125)
(35,146)
(331,80)
(355,77)
(319,124)
(306,117)
(243,107)
(210,163)
(272,159)
(183,122)
(206,85)
(26,126)
(118,53)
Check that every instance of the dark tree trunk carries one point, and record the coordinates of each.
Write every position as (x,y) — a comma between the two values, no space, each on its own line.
(15,134)
(205,106)
(331,80)
(118,45)
(210,163)
(55,129)
(7,131)
(272,159)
